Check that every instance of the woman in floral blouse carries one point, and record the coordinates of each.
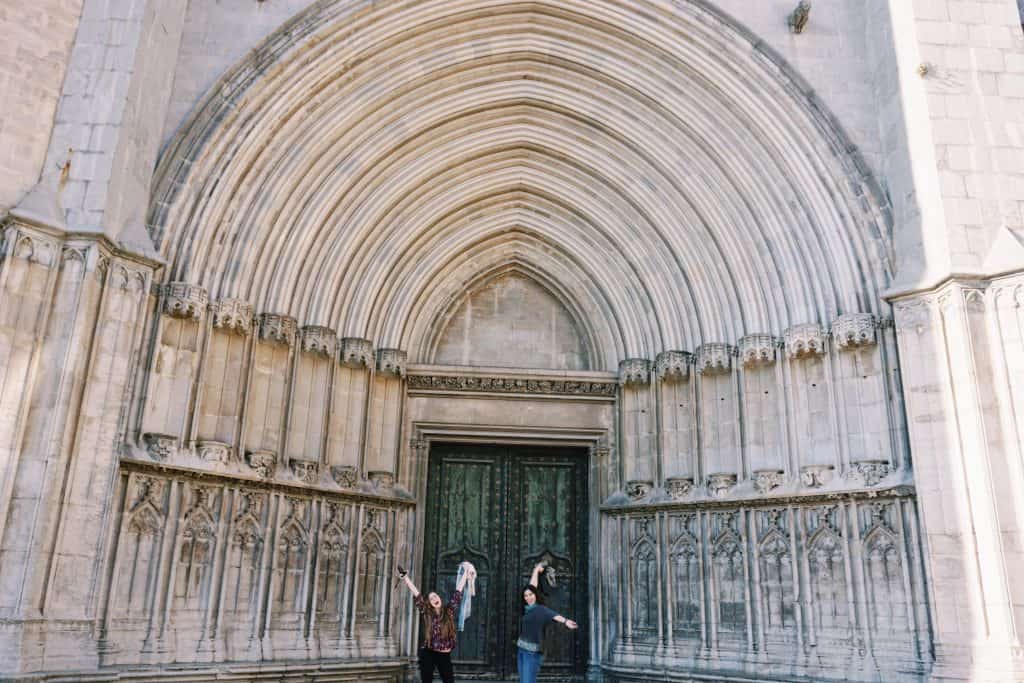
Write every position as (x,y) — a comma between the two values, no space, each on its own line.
(437,632)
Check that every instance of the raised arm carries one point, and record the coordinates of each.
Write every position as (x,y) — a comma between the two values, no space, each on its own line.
(535,577)
(412,587)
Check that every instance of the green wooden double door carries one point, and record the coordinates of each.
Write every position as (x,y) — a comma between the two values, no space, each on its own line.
(506,508)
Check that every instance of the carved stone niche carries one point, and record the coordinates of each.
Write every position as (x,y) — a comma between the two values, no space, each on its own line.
(277,329)
(306,471)
(355,352)
(182,300)
(317,339)
(757,349)
(213,451)
(634,371)
(637,489)
(805,340)
(345,476)
(679,487)
(854,330)
(714,358)
(719,484)
(160,446)
(381,480)
(392,362)
(232,315)
(766,480)
(673,365)
(870,472)
(263,463)
(816,476)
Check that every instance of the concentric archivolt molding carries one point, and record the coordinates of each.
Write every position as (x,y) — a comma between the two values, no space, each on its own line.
(667,175)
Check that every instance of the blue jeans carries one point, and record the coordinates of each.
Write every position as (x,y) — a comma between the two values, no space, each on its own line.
(528,664)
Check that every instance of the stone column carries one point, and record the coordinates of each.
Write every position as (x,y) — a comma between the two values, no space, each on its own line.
(636,419)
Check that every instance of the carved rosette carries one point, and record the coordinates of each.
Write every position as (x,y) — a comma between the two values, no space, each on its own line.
(637,489)
(634,371)
(263,463)
(182,300)
(870,472)
(213,451)
(721,483)
(714,358)
(854,330)
(816,476)
(381,480)
(766,480)
(160,446)
(344,476)
(679,487)
(317,339)
(392,362)
(306,471)
(232,315)
(355,352)
(805,340)
(673,365)
(277,329)
(757,349)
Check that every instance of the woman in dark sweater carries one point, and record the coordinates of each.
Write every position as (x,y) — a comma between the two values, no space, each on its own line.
(437,631)
(531,629)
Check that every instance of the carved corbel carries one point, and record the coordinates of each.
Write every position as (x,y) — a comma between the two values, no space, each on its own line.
(306,471)
(317,339)
(757,349)
(854,330)
(345,476)
(673,365)
(714,358)
(182,300)
(805,340)
(637,489)
(719,484)
(232,315)
(392,362)
(766,480)
(277,329)
(355,352)
(634,371)
(161,446)
(264,463)
(381,480)
(679,487)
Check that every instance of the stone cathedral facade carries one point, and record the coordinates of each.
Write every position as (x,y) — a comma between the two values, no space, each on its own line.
(715,305)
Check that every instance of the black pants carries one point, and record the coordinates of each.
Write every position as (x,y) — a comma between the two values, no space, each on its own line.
(429,659)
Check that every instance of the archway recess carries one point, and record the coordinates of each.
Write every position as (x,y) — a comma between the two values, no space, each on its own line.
(674,177)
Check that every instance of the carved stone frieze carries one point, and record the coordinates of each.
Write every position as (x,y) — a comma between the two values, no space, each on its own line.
(317,339)
(355,352)
(183,300)
(637,489)
(511,385)
(714,358)
(160,446)
(213,451)
(870,472)
(381,480)
(277,329)
(634,371)
(757,349)
(670,365)
(719,484)
(816,476)
(345,476)
(766,480)
(392,362)
(805,340)
(262,462)
(232,315)
(679,487)
(854,330)
(306,471)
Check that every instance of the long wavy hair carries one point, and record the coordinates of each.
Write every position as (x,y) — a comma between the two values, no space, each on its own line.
(447,621)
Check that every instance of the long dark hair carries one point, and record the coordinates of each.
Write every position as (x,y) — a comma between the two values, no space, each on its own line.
(538,591)
(446,617)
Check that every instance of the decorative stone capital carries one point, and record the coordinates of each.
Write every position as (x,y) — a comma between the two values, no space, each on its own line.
(816,476)
(714,358)
(721,483)
(634,371)
(381,480)
(805,340)
(277,329)
(263,462)
(679,487)
(182,300)
(870,472)
(766,480)
(355,352)
(345,476)
(213,451)
(317,339)
(306,471)
(160,446)
(639,488)
(232,315)
(392,362)
(673,365)
(757,349)
(854,330)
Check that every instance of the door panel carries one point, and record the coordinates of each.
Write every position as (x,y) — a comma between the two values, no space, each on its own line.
(505,509)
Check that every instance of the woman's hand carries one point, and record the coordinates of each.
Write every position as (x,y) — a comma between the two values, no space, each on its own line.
(538,568)
(570,624)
